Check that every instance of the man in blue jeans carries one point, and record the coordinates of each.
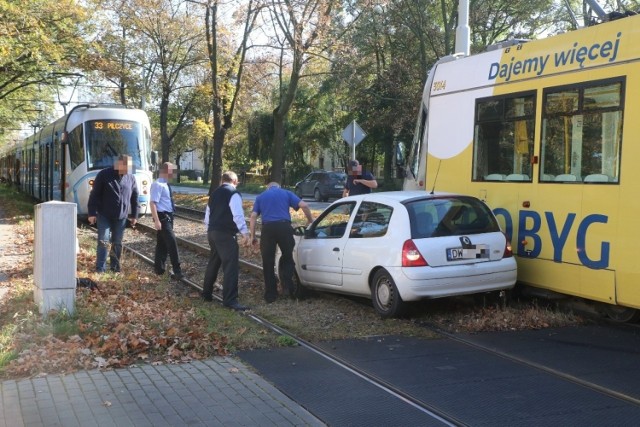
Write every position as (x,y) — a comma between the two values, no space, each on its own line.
(113,198)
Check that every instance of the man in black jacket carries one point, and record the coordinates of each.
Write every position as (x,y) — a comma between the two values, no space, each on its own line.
(113,198)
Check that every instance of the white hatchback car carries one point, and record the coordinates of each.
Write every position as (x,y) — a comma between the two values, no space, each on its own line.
(404,246)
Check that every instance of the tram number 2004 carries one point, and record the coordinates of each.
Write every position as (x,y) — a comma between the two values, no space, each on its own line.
(439,85)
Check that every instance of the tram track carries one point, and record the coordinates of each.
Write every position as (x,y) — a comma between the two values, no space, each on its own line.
(373,379)
(424,407)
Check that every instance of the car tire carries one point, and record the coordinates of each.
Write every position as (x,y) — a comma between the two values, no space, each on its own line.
(385,296)
(317,196)
(621,314)
(298,291)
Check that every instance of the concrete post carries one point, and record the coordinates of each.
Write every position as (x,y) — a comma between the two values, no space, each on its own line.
(55,262)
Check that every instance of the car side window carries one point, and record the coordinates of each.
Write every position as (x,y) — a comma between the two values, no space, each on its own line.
(333,222)
(371,220)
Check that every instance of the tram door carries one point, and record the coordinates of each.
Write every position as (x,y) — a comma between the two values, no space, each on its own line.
(56,193)
(46,177)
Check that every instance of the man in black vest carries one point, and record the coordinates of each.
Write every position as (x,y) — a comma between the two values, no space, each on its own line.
(225,219)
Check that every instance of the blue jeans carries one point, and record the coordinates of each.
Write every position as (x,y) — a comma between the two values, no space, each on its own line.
(110,233)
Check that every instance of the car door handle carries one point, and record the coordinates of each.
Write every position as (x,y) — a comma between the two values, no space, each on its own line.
(336,249)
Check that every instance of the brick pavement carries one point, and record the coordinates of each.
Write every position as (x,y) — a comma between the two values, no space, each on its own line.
(216,392)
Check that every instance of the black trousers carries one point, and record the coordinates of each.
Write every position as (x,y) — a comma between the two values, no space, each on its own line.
(166,244)
(272,236)
(224,252)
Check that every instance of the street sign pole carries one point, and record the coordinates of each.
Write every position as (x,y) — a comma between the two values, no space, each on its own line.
(353,138)
(353,134)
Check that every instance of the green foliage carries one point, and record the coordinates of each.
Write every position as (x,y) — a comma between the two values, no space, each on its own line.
(286,341)
(41,42)
(260,136)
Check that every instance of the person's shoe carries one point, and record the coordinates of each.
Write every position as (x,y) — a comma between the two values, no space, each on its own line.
(207,298)
(159,273)
(237,307)
(177,276)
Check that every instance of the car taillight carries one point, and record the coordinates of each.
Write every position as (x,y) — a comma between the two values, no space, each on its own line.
(507,248)
(411,256)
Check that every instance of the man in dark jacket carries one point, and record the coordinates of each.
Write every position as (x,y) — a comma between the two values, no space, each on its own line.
(113,198)
(225,219)
(358,181)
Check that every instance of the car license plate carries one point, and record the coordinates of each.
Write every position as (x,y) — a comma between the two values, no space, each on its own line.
(473,252)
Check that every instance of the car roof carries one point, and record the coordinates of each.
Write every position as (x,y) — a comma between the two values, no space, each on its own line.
(399,196)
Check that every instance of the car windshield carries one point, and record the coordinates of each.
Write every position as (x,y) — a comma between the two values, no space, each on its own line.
(337,176)
(107,139)
(449,216)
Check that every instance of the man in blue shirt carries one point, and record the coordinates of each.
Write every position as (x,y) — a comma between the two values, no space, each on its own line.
(358,182)
(162,209)
(273,204)
(113,198)
(225,219)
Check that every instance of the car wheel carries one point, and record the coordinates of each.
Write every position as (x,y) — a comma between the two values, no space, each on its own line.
(385,296)
(621,314)
(317,196)
(298,290)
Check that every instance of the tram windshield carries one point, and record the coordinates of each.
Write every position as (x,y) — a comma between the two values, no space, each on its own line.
(107,139)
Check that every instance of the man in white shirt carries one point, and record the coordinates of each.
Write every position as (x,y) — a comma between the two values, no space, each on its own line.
(225,219)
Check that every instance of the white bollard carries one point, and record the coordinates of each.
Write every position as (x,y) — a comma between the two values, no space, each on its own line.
(55,262)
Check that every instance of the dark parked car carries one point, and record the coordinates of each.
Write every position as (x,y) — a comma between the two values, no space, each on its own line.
(322,185)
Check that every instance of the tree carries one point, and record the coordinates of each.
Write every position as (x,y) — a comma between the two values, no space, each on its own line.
(117,56)
(175,49)
(41,42)
(226,77)
(303,27)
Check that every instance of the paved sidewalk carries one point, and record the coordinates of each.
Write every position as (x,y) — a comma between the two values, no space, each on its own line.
(217,392)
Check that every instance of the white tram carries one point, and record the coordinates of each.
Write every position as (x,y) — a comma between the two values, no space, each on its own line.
(61,161)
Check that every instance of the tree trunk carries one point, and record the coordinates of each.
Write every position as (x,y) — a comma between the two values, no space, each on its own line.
(216,167)
(164,133)
(278,147)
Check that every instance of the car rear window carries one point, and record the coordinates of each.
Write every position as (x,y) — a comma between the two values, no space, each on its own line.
(337,176)
(449,216)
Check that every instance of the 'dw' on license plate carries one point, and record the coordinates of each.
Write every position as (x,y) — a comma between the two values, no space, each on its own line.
(473,252)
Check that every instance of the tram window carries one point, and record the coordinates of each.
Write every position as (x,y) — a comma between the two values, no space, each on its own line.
(107,139)
(414,159)
(503,138)
(76,150)
(582,142)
